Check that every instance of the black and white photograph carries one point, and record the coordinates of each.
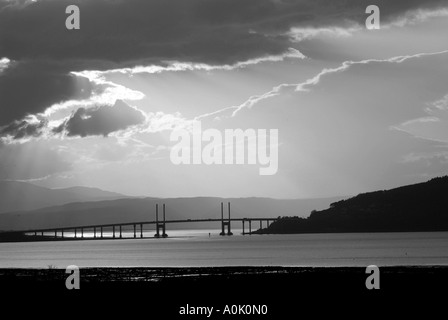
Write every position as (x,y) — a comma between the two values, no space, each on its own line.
(223,159)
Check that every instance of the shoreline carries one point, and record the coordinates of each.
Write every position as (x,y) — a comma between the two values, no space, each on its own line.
(96,275)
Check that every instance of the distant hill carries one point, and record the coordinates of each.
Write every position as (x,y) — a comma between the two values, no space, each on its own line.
(143,209)
(20,196)
(418,207)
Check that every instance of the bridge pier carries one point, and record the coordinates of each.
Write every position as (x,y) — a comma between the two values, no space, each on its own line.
(250,226)
(141,230)
(101,232)
(113,231)
(82,232)
(94,232)
(62,233)
(135,231)
(121,236)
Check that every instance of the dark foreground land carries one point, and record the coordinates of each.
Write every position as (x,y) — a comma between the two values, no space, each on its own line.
(288,293)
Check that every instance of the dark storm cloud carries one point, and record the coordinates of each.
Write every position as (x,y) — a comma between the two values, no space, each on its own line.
(24,128)
(211,31)
(124,33)
(30,87)
(102,120)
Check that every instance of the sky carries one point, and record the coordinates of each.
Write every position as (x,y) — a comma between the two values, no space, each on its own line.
(356,110)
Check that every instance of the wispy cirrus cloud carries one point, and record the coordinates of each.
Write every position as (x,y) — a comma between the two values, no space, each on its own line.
(309,83)
(410,17)
(177,66)
(417,16)
(298,34)
(433,126)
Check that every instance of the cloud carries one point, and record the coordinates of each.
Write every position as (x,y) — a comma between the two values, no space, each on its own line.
(31,126)
(41,59)
(102,120)
(30,87)
(300,34)
(123,32)
(306,85)
(433,126)
(138,32)
(347,64)
(160,121)
(416,16)
(4,63)
(177,66)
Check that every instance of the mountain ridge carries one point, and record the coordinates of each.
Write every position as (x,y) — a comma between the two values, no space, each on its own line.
(23,196)
(417,207)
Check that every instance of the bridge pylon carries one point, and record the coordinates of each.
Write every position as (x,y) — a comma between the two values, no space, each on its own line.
(224,223)
(160,226)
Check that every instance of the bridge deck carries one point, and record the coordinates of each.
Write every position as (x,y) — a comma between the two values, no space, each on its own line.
(111,225)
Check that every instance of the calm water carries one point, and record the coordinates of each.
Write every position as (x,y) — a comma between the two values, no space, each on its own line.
(196,248)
